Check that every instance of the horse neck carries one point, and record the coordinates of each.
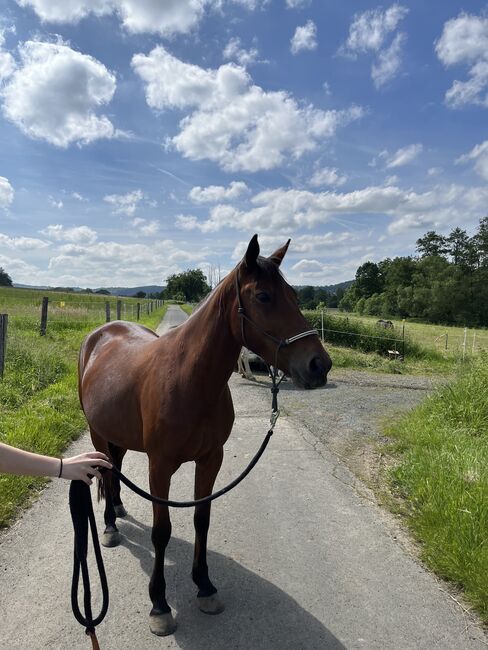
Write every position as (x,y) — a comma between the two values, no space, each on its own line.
(209,333)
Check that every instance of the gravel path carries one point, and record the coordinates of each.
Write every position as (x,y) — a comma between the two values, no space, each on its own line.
(301,559)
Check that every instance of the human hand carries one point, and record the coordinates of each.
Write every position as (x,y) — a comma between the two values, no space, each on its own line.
(83,467)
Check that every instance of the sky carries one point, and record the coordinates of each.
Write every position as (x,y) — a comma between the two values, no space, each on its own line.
(141,138)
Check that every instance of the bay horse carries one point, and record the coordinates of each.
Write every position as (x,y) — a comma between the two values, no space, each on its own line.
(168,397)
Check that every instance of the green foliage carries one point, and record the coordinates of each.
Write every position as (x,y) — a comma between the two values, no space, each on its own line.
(5,279)
(448,283)
(442,474)
(191,286)
(355,334)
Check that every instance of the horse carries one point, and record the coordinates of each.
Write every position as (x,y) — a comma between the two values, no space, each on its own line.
(168,396)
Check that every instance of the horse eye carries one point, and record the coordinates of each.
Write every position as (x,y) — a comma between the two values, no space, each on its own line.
(262,296)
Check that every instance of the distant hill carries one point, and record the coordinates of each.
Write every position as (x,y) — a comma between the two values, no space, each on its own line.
(115,291)
(125,291)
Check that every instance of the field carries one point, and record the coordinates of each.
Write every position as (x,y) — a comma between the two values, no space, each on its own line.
(39,408)
(445,339)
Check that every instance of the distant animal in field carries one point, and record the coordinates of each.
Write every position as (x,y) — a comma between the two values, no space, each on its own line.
(386,324)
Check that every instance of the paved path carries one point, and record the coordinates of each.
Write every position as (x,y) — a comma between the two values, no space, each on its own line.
(173,317)
(301,560)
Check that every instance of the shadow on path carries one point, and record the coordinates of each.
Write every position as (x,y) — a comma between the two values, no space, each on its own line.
(258,614)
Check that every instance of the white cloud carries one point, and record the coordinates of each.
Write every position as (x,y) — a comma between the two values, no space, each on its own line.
(465,40)
(328,176)
(110,263)
(403,156)
(79,197)
(6,192)
(215,193)
(166,17)
(308,266)
(148,228)
(479,154)
(22,243)
(297,4)
(388,62)
(76,234)
(7,62)
(286,211)
(234,123)
(125,203)
(56,204)
(434,171)
(304,38)
(234,51)
(54,93)
(369,32)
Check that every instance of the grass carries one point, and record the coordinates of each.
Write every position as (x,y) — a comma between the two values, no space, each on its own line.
(441,477)
(430,335)
(39,407)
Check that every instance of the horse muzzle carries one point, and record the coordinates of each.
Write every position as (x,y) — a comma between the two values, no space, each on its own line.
(314,373)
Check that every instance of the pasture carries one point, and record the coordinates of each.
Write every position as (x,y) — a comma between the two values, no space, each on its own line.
(38,393)
(448,340)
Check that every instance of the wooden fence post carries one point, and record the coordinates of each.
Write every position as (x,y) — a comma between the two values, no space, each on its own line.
(119,309)
(107,312)
(138,310)
(3,341)
(45,303)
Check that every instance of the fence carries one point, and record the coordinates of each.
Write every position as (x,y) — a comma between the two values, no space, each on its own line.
(414,339)
(50,314)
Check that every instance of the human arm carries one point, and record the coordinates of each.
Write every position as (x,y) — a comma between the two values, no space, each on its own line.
(26,463)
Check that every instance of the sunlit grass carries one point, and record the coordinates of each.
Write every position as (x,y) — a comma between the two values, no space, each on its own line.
(442,477)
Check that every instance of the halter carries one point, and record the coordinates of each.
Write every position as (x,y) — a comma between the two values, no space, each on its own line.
(280,343)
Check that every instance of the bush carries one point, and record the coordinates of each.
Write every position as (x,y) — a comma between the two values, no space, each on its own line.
(354,334)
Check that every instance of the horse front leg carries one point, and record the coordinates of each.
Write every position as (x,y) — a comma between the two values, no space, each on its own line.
(161,621)
(205,474)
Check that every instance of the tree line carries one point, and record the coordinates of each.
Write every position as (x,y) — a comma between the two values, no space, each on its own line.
(446,282)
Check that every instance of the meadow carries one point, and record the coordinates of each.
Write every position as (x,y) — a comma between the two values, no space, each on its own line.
(446,339)
(39,407)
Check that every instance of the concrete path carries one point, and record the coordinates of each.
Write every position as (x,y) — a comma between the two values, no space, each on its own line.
(301,560)
(173,317)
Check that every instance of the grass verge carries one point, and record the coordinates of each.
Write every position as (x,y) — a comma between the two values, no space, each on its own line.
(441,477)
(39,403)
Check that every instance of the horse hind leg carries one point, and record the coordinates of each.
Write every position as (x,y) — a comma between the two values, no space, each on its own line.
(111,536)
(117,454)
(205,474)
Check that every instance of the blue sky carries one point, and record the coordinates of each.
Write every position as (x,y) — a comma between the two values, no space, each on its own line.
(142,138)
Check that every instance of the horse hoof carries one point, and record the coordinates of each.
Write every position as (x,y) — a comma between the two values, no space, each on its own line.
(111,538)
(210,604)
(120,511)
(162,624)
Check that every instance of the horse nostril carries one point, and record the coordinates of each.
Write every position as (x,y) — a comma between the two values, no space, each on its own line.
(317,366)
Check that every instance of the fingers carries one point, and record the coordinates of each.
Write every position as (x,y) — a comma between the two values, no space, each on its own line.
(87,480)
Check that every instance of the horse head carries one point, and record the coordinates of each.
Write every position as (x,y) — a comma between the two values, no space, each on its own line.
(268,316)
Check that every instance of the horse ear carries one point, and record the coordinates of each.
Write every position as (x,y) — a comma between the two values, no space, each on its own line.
(278,255)
(252,253)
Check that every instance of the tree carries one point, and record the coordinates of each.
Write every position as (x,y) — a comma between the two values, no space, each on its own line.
(306,297)
(460,248)
(139,294)
(191,284)
(432,244)
(369,280)
(5,279)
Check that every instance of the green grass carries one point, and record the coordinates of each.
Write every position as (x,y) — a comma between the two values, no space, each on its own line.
(39,407)
(441,476)
(430,335)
